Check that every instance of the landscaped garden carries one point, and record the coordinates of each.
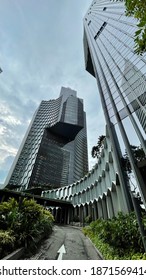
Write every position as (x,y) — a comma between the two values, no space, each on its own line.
(22,223)
(117,238)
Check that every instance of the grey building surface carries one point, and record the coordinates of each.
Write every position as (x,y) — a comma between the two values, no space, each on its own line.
(121,79)
(98,194)
(53,152)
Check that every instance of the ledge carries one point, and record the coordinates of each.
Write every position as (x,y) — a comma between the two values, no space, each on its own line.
(16,255)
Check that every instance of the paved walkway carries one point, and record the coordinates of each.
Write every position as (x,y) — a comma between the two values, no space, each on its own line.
(67,243)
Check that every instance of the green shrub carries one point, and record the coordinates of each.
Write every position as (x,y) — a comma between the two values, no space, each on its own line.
(7,242)
(8,213)
(7,206)
(88,231)
(138,256)
(117,238)
(88,219)
(27,221)
(30,210)
(34,221)
(48,214)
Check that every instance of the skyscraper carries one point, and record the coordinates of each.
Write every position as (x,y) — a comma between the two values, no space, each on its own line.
(121,77)
(54,150)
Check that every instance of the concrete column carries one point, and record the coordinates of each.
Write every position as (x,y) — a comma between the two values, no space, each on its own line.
(58,215)
(110,209)
(85,210)
(89,210)
(115,202)
(81,214)
(99,207)
(123,207)
(54,212)
(75,211)
(92,211)
(60,220)
(95,210)
(70,215)
(65,216)
(104,208)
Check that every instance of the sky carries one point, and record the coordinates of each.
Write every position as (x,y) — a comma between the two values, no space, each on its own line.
(41,50)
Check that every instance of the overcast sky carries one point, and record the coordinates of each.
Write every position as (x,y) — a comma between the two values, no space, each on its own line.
(41,50)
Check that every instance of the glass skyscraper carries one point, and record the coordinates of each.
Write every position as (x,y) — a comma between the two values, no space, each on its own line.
(54,150)
(121,78)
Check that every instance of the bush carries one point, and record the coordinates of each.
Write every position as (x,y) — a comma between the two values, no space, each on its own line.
(118,238)
(88,219)
(27,221)
(7,242)
(8,213)
(34,221)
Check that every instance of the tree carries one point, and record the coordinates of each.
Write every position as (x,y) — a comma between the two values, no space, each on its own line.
(139,155)
(96,149)
(137,9)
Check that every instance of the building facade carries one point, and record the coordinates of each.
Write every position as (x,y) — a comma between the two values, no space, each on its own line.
(121,78)
(54,150)
(98,194)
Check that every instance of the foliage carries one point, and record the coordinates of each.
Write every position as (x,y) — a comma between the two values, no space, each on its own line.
(27,221)
(7,241)
(88,219)
(117,238)
(137,9)
(48,214)
(33,221)
(138,256)
(138,154)
(46,222)
(96,149)
(8,213)
(107,252)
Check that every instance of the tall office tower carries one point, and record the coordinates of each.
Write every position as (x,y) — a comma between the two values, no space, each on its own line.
(54,150)
(121,78)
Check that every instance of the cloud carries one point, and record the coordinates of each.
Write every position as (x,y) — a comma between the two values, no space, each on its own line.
(41,50)
(2,130)
(6,116)
(4,167)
